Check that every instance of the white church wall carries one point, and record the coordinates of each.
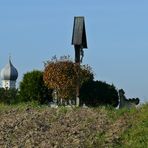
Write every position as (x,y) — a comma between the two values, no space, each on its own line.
(7,84)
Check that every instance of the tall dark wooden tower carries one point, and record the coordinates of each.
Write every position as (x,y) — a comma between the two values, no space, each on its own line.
(79,41)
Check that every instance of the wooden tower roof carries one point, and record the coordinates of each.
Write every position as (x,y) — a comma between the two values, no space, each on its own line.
(79,32)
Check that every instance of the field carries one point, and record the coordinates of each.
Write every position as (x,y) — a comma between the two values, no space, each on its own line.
(31,125)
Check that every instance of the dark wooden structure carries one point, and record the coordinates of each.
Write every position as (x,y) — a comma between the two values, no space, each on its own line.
(79,33)
(79,41)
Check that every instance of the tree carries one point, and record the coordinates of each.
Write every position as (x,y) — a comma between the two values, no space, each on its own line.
(32,88)
(95,93)
(9,96)
(61,74)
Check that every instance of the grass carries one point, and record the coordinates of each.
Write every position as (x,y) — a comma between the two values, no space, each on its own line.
(137,134)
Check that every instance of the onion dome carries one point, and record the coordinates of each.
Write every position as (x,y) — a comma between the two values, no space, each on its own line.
(9,72)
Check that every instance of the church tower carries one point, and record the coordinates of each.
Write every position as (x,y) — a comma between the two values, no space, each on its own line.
(9,76)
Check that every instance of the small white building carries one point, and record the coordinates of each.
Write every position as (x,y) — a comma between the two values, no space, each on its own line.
(9,75)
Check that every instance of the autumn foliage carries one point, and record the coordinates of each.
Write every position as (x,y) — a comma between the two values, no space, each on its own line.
(62,74)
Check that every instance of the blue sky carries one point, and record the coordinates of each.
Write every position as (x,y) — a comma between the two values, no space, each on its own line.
(33,31)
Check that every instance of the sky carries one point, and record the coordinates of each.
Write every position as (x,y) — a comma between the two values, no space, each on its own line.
(33,31)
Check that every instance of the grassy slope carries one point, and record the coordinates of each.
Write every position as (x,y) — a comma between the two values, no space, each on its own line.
(31,125)
(137,134)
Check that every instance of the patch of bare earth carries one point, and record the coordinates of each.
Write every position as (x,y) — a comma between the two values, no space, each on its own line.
(58,128)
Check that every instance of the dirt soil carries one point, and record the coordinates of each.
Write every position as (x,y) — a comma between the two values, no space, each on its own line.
(59,128)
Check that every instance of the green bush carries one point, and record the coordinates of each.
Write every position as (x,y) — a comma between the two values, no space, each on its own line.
(9,96)
(95,93)
(32,88)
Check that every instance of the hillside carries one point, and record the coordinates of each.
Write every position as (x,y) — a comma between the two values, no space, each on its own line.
(35,126)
